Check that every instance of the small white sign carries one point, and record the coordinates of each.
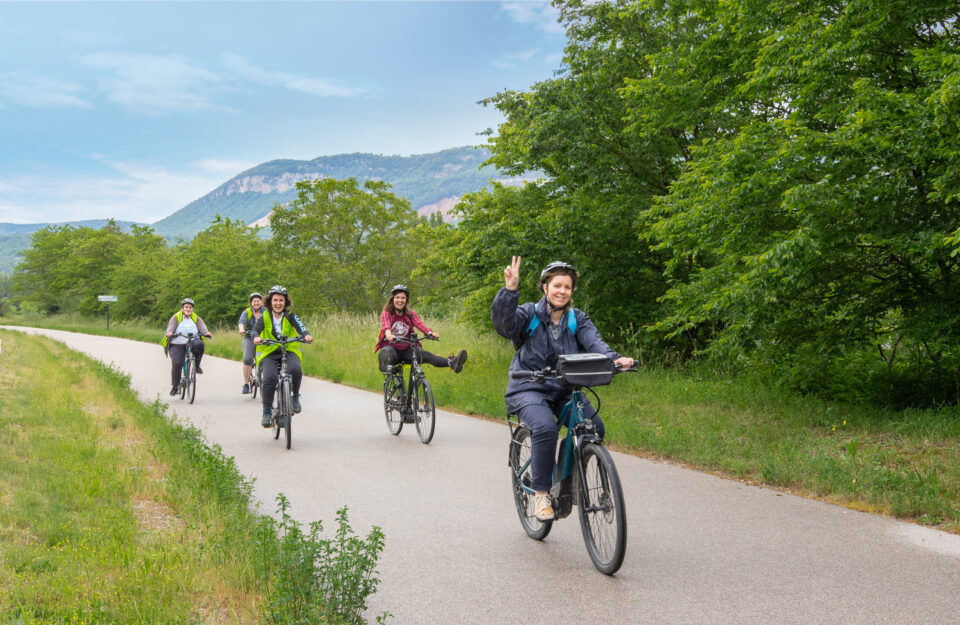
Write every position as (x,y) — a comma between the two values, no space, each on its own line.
(106,298)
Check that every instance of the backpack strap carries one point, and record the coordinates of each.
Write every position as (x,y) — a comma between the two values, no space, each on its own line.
(535,321)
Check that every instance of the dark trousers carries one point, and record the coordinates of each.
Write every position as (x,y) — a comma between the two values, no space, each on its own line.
(542,420)
(270,375)
(178,353)
(389,355)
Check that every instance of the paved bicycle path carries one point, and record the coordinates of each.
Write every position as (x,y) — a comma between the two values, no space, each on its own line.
(701,549)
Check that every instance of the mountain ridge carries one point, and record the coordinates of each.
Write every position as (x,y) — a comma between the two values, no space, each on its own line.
(432,182)
(438,178)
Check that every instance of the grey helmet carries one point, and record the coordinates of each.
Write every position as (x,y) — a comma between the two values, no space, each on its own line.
(558,267)
(282,291)
(186,300)
(399,288)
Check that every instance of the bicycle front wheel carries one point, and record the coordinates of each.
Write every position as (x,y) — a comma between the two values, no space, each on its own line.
(184,376)
(192,382)
(287,418)
(254,381)
(393,403)
(521,476)
(425,413)
(603,514)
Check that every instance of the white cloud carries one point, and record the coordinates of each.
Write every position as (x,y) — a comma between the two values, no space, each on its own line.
(542,14)
(514,60)
(155,84)
(304,84)
(226,167)
(40,92)
(136,192)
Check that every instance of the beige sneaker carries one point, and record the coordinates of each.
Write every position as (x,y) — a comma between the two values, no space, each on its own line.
(542,508)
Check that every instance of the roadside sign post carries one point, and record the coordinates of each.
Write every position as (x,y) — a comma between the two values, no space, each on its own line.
(107,299)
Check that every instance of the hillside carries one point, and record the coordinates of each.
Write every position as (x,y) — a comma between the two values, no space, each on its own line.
(430,181)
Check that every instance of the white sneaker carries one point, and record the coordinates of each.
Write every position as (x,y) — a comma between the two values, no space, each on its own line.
(542,507)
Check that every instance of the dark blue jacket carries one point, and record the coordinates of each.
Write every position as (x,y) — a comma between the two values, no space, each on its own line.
(540,349)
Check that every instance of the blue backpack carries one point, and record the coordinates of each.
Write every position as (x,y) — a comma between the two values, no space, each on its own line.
(571,323)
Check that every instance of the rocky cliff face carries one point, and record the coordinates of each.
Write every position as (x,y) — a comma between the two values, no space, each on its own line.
(431,182)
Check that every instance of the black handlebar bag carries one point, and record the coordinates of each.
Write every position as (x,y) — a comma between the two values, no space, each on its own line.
(586,369)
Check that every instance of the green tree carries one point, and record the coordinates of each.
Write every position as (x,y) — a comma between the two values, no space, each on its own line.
(218,269)
(6,293)
(818,233)
(66,268)
(341,246)
(609,134)
(140,277)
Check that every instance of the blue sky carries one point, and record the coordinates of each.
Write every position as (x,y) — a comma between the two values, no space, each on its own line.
(131,110)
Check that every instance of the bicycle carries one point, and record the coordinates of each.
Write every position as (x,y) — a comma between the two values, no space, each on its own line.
(413,402)
(188,380)
(254,379)
(585,475)
(282,412)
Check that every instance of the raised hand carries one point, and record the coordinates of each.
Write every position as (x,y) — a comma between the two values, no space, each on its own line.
(511,275)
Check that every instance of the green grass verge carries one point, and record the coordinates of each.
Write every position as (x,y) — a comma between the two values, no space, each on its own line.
(899,463)
(113,513)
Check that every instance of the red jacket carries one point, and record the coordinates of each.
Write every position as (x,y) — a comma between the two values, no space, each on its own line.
(400,325)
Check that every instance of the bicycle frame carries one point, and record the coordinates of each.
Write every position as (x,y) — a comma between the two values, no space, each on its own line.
(282,345)
(579,432)
(416,371)
(188,355)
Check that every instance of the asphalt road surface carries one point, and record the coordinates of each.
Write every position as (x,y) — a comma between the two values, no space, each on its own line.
(701,549)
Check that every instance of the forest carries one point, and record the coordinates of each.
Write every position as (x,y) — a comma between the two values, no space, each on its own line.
(768,188)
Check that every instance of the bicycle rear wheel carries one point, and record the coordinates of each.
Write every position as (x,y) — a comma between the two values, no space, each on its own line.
(287,417)
(393,403)
(520,473)
(425,414)
(192,381)
(603,514)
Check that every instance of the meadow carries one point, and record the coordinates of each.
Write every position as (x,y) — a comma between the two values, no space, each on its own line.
(111,512)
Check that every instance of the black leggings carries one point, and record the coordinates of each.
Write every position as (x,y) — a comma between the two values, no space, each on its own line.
(270,375)
(178,353)
(390,356)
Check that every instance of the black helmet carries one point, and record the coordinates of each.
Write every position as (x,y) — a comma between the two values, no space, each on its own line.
(187,300)
(399,288)
(558,267)
(253,295)
(278,289)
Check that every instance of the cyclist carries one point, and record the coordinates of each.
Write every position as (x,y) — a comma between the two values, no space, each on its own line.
(248,317)
(540,332)
(185,321)
(396,322)
(278,321)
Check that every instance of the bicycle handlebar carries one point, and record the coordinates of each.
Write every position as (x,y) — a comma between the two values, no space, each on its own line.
(414,339)
(549,373)
(283,340)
